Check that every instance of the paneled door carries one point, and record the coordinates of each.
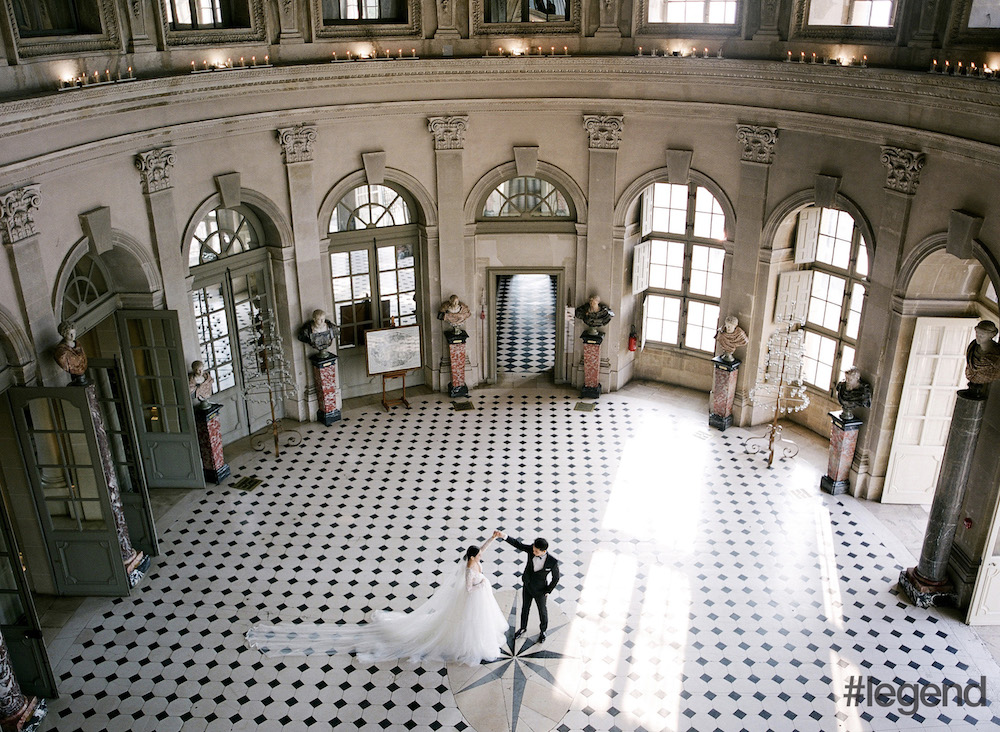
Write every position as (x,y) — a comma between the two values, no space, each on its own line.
(120,426)
(156,377)
(59,445)
(934,373)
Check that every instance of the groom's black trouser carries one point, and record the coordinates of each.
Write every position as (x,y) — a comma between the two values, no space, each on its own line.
(543,614)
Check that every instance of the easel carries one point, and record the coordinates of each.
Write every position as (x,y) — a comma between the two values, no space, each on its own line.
(402,399)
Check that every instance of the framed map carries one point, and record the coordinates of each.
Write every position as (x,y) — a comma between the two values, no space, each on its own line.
(393,349)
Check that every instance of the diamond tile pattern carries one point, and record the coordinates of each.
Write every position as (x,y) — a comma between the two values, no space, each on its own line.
(526,323)
(702,590)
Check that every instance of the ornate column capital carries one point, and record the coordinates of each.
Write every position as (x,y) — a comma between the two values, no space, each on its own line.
(17,212)
(297,142)
(902,168)
(605,131)
(448,132)
(758,143)
(154,167)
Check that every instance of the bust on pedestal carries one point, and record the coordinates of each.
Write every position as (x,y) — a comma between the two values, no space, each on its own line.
(852,393)
(728,338)
(594,315)
(321,333)
(70,356)
(454,313)
(206,420)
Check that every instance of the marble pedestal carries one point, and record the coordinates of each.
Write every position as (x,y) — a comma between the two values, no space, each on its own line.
(843,442)
(210,442)
(17,711)
(723,392)
(325,374)
(591,365)
(456,359)
(927,584)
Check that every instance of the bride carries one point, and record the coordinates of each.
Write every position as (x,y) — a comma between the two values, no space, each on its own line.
(461,622)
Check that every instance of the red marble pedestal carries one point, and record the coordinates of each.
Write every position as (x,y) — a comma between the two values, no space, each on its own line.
(17,711)
(456,358)
(325,374)
(723,393)
(591,365)
(210,443)
(843,441)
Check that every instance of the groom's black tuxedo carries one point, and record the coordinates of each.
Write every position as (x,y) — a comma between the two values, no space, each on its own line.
(536,584)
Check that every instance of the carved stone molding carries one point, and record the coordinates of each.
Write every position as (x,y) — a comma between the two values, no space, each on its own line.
(605,131)
(107,39)
(448,132)
(218,36)
(154,167)
(297,143)
(410,26)
(902,168)
(758,143)
(17,211)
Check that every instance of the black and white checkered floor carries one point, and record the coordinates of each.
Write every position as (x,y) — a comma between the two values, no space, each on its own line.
(701,591)
(526,323)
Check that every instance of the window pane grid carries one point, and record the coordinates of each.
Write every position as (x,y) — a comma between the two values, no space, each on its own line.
(663,317)
(692,11)
(817,360)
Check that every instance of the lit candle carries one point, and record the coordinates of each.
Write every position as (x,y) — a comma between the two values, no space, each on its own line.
(789,59)
(947,67)
(241,59)
(814,58)
(640,50)
(705,55)
(97,77)
(413,53)
(933,68)
(401,53)
(265,59)
(253,60)
(802,57)
(499,51)
(229,63)
(348,55)
(959,71)
(552,50)
(192,67)
(565,50)
(130,72)
(864,61)
(107,74)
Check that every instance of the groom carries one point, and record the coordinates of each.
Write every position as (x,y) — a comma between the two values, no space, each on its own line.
(541,575)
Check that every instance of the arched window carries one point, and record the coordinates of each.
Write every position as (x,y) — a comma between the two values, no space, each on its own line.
(369,207)
(832,290)
(526,197)
(86,288)
(681,229)
(222,233)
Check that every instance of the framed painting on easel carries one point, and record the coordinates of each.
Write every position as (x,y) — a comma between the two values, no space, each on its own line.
(391,352)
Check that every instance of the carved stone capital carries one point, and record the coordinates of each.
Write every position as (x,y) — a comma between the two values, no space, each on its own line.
(17,212)
(605,131)
(448,132)
(758,143)
(902,168)
(154,167)
(297,143)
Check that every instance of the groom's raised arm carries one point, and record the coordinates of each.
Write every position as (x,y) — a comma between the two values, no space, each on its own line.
(517,545)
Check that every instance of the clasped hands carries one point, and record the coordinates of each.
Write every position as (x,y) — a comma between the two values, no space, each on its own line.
(499,534)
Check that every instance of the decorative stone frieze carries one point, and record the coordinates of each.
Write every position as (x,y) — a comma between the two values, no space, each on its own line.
(154,167)
(448,132)
(17,211)
(297,143)
(605,131)
(902,168)
(758,143)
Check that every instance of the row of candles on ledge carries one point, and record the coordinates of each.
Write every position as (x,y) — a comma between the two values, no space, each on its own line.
(95,79)
(835,60)
(374,56)
(553,51)
(228,65)
(665,54)
(983,72)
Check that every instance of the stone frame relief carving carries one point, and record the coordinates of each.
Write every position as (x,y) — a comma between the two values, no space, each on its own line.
(297,142)
(109,39)
(958,30)
(448,132)
(757,143)
(154,168)
(902,168)
(481,28)
(362,31)
(17,213)
(800,28)
(643,27)
(256,32)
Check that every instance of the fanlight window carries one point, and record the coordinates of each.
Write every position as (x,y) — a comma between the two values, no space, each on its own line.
(222,233)
(86,287)
(526,197)
(369,207)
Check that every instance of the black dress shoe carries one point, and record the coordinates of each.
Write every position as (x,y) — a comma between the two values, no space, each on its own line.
(518,633)
(541,637)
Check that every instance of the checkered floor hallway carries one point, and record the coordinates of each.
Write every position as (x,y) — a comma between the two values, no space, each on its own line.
(526,323)
(700,591)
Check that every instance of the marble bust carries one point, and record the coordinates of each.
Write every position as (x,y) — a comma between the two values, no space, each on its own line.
(454,312)
(852,393)
(70,355)
(982,359)
(730,337)
(319,333)
(594,314)
(200,384)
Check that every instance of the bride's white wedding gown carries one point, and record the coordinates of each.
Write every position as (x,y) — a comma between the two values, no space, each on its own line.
(461,622)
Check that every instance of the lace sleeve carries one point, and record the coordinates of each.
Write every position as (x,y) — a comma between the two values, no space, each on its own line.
(473,580)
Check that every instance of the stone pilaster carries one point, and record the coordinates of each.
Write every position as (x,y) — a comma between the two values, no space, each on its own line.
(609,11)
(139,40)
(457,270)
(446,28)
(751,261)
(288,21)
(875,347)
(768,30)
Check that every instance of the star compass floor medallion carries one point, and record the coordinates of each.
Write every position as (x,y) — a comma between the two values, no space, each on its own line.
(530,687)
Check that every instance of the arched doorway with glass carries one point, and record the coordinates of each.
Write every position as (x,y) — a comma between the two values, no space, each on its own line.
(231,296)
(373,256)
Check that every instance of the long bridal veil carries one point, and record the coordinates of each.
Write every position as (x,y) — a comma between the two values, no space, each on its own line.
(438,630)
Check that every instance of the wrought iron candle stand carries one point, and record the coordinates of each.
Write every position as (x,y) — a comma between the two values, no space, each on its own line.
(780,382)
(267,381)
